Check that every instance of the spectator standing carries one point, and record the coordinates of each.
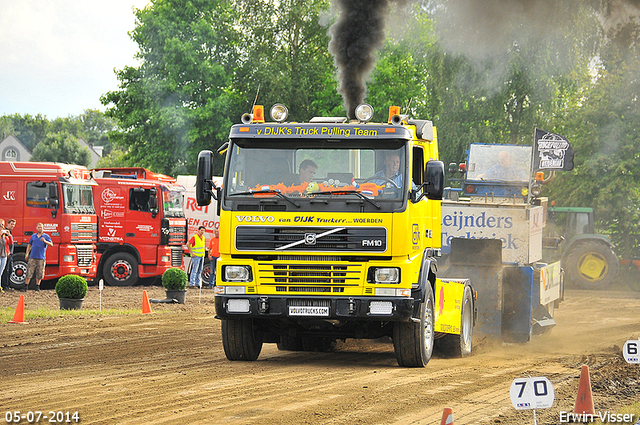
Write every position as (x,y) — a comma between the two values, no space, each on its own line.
(8,268)
(196,249)
(214,254)
(37,255)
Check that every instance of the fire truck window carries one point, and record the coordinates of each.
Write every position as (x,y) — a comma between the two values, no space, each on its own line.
(37,195)
(139,200)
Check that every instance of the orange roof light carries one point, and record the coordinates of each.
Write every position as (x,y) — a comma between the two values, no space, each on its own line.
(258,113)
(539,176)
(393,110)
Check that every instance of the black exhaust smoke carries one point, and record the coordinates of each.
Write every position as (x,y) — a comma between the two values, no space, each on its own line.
(355,39)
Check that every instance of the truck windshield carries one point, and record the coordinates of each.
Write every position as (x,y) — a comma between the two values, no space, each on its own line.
(311,169)
(172,203)
(78,199)
(507,163)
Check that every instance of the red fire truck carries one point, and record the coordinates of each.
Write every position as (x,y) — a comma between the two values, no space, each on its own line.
(141,224)
(58,196)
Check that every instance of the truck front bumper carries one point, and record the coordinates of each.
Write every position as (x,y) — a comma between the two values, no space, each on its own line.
(395,309)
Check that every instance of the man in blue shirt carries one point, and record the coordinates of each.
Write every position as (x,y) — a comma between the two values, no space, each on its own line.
(391,171)
(37,255)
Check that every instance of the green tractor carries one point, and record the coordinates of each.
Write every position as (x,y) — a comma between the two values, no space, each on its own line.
(589,260)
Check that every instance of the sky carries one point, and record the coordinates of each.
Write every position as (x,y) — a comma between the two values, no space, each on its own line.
(57,57)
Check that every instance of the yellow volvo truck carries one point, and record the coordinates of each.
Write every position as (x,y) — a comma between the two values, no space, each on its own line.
(331,230)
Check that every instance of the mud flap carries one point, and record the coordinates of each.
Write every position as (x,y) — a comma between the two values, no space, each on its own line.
(480,260)
(517,286)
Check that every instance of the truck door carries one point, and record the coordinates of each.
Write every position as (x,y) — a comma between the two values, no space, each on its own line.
(143,226)
(42,206)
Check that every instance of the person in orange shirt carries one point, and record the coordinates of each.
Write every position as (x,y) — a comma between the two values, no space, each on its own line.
(214,253)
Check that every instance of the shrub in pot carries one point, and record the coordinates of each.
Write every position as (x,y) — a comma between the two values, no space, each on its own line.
(71,290)
(175,282)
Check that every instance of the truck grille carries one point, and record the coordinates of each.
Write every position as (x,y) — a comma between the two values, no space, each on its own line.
(176,235)
(85,255)
(176,256)
(283,239)
(314,275)
(84,232)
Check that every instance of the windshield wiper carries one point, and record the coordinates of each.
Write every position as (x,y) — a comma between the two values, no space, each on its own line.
(277,192)
(349,192)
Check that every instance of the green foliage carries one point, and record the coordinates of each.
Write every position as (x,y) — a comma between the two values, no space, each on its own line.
(174,279)
(72,287)
(61,147)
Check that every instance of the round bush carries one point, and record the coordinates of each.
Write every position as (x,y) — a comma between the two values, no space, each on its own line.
(71,286)
(174,278)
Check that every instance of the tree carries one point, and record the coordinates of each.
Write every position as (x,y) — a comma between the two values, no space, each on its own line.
(61,147)
(176,102)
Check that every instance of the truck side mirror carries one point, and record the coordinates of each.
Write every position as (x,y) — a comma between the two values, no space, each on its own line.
(434,179)
(153,202)
(203,178)
(53,196)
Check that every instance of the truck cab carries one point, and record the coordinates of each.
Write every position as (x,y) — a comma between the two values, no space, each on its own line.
(142,228)
(331,230)
(59,196)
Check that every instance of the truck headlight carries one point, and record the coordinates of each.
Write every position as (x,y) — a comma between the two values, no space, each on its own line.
(165,259)
(384,275)
(67,258)
(237,273)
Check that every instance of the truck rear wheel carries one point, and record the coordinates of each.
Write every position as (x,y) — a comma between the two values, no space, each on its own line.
(121,269)
(241,340)
(321,344)
(452,345)
(591,265)
(413,341)
(290,343)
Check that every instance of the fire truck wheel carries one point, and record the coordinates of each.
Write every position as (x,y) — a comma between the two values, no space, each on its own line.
(19,270)
(413,341)
(241,340)
(290,343)
(452,345)
(591,265)
(121,269)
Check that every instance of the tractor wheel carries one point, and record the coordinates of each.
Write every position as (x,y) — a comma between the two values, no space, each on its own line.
(452,345)
(413,341)
(591,265)
(241,340)
(121,269)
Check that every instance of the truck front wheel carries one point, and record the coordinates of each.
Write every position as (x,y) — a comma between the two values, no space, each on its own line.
(121,269)
(591,265)
(241,340)
(413,341)
(452,345)
(18,270)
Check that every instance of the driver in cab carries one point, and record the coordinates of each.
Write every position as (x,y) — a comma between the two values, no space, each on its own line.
(391,171)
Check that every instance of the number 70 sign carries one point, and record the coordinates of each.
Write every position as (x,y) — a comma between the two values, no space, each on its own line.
(532,393)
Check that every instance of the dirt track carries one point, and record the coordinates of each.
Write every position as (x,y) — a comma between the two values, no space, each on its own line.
(169,368)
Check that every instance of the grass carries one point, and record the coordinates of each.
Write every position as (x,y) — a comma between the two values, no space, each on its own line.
(631,409)
(7,313)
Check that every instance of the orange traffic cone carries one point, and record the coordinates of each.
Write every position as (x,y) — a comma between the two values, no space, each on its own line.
(447,416)
(146,307)
(18,316)
(584,401)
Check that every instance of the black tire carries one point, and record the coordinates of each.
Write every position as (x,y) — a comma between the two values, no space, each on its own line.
(290,343)
(413,341)
(18,271)
(591,265)
(121,269)
(452,345)
(241,340)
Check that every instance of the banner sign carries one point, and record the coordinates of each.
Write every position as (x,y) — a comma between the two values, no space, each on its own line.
(551,152)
